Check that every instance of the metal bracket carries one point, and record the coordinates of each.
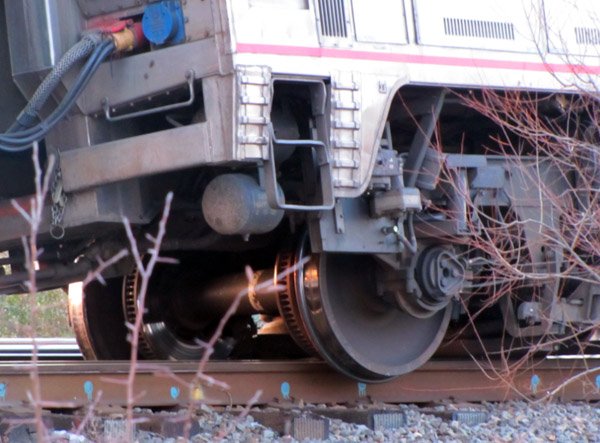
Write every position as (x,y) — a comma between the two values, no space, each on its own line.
(276,198)
(422,138)
(190,77)
(338,212)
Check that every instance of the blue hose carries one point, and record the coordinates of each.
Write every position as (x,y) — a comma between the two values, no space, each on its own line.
(25,132)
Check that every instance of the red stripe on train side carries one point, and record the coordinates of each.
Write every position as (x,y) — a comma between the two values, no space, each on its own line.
(465,62)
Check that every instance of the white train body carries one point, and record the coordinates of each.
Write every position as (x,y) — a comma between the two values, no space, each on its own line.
(382,45)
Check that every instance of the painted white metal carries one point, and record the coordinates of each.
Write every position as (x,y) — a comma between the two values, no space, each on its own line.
(346,129)
(573,27)
(509,25)
(373,26)
(254,103)
(281,22)
(394,43)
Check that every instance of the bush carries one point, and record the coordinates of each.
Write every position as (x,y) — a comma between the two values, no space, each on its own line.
(15,315)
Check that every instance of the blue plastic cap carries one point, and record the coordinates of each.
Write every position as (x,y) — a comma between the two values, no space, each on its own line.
(163,22)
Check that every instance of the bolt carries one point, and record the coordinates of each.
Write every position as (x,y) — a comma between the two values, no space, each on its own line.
(390,230)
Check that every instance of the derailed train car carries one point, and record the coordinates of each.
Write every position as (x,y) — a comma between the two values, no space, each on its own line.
(295,135)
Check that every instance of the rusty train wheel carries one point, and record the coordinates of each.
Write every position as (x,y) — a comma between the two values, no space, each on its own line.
(96,314)
(354,331)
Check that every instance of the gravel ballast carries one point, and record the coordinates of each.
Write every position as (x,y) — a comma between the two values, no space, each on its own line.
(506,422)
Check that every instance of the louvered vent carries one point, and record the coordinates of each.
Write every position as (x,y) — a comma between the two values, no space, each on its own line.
(587,36)
(479,28)
(333,18)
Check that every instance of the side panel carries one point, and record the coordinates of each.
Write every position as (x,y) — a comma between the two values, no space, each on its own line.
(510,25)
(573,27)
(370,50)
(12,100)
(374,27)
(284,21)
(39,33)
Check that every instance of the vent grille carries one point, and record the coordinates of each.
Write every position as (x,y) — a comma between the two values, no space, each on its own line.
(587,36)
(479,28)
(333,18)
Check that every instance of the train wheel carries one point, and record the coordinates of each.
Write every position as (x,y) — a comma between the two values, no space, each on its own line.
(348,325)
(96,315)
(171,330)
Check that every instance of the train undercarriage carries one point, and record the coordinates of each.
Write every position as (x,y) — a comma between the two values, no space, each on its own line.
(479,273)
(366,192)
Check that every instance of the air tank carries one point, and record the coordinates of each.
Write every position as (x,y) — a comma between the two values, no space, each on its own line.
(235,204)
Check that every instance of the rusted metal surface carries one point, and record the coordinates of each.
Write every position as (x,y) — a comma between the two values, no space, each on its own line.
(75,384)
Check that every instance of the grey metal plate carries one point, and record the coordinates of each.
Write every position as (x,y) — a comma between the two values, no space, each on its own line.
(40,32)
(140,76)
(92,8)
(361,233)
(148,154)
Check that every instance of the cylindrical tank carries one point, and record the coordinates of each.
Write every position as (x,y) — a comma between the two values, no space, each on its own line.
(235,204)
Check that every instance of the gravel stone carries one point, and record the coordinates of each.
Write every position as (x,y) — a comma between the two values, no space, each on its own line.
(508,422)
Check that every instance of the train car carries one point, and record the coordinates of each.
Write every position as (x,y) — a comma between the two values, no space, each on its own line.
(327,144)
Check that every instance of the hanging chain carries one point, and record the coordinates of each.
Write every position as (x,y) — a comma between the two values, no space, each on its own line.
(59,203)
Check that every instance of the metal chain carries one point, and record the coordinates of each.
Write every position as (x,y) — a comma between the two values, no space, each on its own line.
(59,204)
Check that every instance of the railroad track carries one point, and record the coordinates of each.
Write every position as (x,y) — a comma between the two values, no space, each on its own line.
(71,384)
(48,349)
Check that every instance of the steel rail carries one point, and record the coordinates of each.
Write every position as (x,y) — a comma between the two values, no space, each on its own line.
(47,349)
(76,384)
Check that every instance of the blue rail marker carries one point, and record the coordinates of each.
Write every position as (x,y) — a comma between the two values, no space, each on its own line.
(175,392)
(598,382)
(285,390)
(362,390)
(2,391)
(535,382)
(88,388)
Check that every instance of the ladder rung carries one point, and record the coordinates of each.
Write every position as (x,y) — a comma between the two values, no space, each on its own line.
(257,140)
(253,80)
(338,124)
(249,120)
(341,86)
(351,106)
(247,100)
(345,183)
(346,144)
(345,163)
